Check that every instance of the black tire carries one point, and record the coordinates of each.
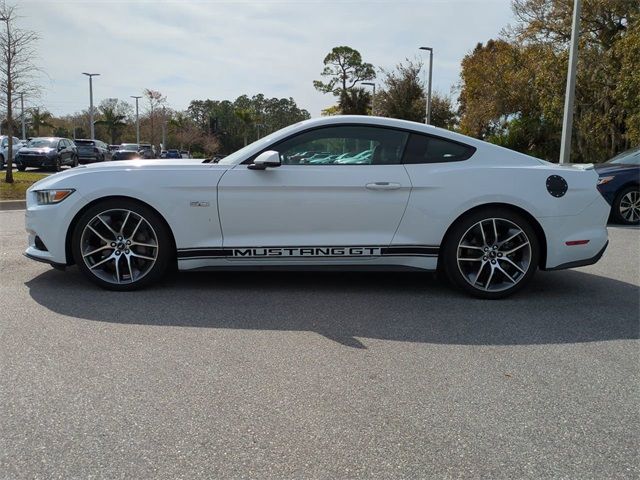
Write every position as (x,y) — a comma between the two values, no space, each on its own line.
(21,168)
(460,273)
(57,166)
(74,161)
(2,165)
(621,201)
(105,277)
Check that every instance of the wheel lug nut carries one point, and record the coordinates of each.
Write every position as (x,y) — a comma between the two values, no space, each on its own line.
(486,249)
(499,255)
(117,252)
(495,247)
(484,258)
(493,261)
(113,244)
(128,242)
(126,251)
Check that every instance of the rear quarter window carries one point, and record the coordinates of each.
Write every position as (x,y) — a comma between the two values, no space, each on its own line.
(428,149)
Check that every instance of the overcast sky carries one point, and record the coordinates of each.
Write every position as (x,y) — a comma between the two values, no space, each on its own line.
(199,49)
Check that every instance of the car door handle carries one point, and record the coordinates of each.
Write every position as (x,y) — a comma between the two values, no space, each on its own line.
(383,186)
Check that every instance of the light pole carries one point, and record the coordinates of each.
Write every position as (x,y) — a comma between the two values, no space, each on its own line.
(24,130)
(138,97)
(427,119)
(373,98)
(164,128)
(91,75)
(567,120)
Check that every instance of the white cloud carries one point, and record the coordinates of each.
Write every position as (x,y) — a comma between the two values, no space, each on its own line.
(220,50)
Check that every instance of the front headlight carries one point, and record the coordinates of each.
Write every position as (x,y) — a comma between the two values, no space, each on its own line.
(49,197)
(605,180)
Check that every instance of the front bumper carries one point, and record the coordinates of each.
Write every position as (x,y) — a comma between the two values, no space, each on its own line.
(35,161)
(46,227)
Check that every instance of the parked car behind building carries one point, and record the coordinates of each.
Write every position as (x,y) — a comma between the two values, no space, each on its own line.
(4,146)
(90,151)
(47,152)
(619,183)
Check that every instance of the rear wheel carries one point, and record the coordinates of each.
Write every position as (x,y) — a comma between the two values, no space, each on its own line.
(491,253)
(121,245)
(626,206)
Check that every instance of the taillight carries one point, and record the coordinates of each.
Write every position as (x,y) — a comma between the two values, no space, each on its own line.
(95,150)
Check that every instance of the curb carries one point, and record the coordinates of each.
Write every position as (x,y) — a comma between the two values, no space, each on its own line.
(13,205)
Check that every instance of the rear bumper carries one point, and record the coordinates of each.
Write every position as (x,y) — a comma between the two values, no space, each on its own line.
(581,263)
(563,232)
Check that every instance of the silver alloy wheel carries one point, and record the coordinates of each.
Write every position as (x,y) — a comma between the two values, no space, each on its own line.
(494,255)
(630,206)
(119,246)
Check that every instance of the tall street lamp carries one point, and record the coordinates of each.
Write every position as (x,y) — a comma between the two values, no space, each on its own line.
(427,119)
(567,120)
(373,98)
(138,97)
(91,75)
(24,130)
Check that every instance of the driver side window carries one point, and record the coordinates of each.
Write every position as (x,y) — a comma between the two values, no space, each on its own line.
(344,145)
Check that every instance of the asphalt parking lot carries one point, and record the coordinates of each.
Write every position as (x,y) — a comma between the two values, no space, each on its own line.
(289,375)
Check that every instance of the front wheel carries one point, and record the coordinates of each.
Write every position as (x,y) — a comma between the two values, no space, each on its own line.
(626,206)
(121,245)
(491,253)
(74,161)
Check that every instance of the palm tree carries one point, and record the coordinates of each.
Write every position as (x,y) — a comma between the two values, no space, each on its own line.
(112,120)
(246,117)
(356,101)
(39,119)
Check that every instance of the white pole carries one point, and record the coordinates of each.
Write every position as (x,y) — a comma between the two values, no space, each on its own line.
(429,97)
(427,117)
(91,127)
(24,130)
(137,120)
(567,121)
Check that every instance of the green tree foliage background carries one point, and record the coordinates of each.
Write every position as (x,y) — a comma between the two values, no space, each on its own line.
(512,88)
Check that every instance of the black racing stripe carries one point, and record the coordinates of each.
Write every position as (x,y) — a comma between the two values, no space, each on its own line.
(205,253)
(395,250)
(410,250)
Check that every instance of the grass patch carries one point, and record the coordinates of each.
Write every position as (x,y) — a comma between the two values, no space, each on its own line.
(21,182)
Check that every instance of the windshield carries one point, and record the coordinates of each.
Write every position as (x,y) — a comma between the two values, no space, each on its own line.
(630,157)
(238,155)
(131,147)
(42,143)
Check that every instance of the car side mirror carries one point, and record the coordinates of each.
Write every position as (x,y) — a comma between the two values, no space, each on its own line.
(270,158)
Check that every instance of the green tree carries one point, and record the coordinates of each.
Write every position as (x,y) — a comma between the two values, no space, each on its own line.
(512,89)
(344,68)
(39,119)
(402,94)
(114,114)
(356,101)
(247,118)
(17,70)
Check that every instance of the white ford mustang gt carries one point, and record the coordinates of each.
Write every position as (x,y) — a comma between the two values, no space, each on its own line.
(344,192)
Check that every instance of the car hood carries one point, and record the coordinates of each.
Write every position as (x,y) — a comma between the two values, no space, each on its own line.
(40,151)
(67,178)
(606,168)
